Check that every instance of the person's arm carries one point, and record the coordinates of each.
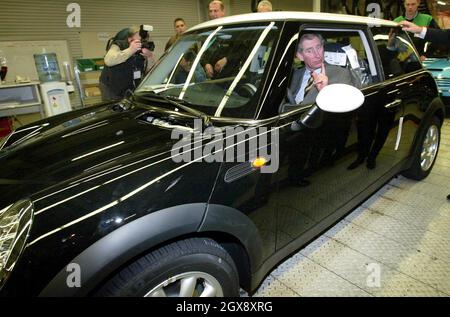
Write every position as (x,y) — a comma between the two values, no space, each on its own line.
(168,44)
(429,34)
(436,35)
(150,59)
(433,24)
(115,56)
(411,27)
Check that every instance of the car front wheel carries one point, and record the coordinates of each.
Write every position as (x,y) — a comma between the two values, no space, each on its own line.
(196,267)
(426,156)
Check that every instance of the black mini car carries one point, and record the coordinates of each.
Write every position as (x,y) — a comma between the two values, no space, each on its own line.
(211,172)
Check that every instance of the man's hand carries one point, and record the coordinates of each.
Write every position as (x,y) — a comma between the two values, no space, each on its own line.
(209,70)
(320,80)
(220,64)
(147,54)
(391,39)
(410,27)
(135,46)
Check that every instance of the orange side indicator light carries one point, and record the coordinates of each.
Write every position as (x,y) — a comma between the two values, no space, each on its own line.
(259,162)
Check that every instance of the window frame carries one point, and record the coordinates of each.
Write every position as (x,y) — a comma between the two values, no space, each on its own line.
(378,56)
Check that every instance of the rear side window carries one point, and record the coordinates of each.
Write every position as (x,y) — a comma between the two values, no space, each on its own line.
(397,53)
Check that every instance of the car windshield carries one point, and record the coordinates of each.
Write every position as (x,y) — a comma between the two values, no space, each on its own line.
(218,71)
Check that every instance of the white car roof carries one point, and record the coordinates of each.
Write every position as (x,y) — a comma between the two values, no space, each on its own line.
(295,15)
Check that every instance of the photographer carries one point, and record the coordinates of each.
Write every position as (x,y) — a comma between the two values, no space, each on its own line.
(129,57)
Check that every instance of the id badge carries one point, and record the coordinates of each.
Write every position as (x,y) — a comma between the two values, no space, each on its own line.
(137,74)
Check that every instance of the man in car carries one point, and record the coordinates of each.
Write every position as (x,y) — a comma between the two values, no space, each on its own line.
(184,68)
(216,63)
(316,73)
(325,143)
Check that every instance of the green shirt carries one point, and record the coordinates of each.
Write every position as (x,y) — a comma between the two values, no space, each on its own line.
(421,19)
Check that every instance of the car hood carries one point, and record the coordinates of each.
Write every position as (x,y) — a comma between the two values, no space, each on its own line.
(76,146)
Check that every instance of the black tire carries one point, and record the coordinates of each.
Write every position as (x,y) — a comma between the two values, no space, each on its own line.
(417,171)
(196,255)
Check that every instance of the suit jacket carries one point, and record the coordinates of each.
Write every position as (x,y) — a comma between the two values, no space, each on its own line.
(436,35)
(336,75)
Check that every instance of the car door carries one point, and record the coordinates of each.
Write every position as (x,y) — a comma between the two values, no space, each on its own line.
(316,185)
(405,94)
(245,182)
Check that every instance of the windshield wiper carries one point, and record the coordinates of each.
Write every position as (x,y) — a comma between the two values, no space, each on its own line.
(180,103)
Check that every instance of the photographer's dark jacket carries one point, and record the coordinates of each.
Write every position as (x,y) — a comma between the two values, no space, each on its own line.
(117,79)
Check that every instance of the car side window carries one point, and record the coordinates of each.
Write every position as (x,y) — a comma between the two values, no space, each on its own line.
(397,53)
(345,49)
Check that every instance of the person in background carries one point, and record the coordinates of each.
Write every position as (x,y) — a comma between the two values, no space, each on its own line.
(180,28)
(428,34)
(126,62)
(412,15)
(264,6)
(216,9)
(185,66)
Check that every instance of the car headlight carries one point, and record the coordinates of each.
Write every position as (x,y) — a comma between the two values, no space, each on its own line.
(15,223)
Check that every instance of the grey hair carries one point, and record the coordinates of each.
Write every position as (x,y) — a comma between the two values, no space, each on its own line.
(265,3)
(309,36)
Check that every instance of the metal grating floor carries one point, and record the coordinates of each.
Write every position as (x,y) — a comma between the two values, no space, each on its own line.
(396,244)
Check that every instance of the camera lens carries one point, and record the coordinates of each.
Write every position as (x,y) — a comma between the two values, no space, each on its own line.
(150,45)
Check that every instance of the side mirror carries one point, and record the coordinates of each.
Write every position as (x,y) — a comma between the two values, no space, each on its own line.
(339,98)
(334,98)
(311,119)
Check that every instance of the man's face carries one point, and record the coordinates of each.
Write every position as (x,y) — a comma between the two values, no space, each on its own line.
(215,11)
(180,27)
(185,64)
(312,53)
(264,8)
(411,7)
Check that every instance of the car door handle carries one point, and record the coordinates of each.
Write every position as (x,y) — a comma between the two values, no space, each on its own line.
(393,104)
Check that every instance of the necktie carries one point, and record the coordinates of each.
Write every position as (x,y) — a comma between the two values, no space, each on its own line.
(309,84)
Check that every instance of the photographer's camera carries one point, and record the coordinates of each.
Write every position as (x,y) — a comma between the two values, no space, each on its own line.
(143,32)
